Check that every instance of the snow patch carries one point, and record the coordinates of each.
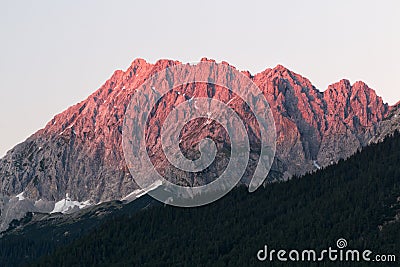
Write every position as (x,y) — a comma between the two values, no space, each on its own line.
(316,165)
(135,193)
(67,204)
(20,196)
(140,192)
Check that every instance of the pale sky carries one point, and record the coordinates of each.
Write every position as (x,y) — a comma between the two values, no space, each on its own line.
(53,54)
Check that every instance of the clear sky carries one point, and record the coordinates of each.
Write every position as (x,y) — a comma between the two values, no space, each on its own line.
(55,53)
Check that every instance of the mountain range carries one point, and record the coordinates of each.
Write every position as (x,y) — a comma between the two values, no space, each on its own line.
(76,160)
(357,200)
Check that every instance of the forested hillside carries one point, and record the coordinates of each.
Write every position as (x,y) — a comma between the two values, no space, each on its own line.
(357,199)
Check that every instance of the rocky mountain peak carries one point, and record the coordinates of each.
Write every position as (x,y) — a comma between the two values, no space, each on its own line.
(165,63)
(281,69)
(205,59)
(138,62)
(79,151)
(358,104)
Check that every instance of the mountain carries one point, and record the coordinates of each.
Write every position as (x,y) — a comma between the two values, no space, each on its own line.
(357,199)
(79,151)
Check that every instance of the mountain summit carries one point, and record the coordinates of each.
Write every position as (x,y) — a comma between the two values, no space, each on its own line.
(79,151)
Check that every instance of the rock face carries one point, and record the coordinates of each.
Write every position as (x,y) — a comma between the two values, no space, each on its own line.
(79,151)
(315,126)
(388,125)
